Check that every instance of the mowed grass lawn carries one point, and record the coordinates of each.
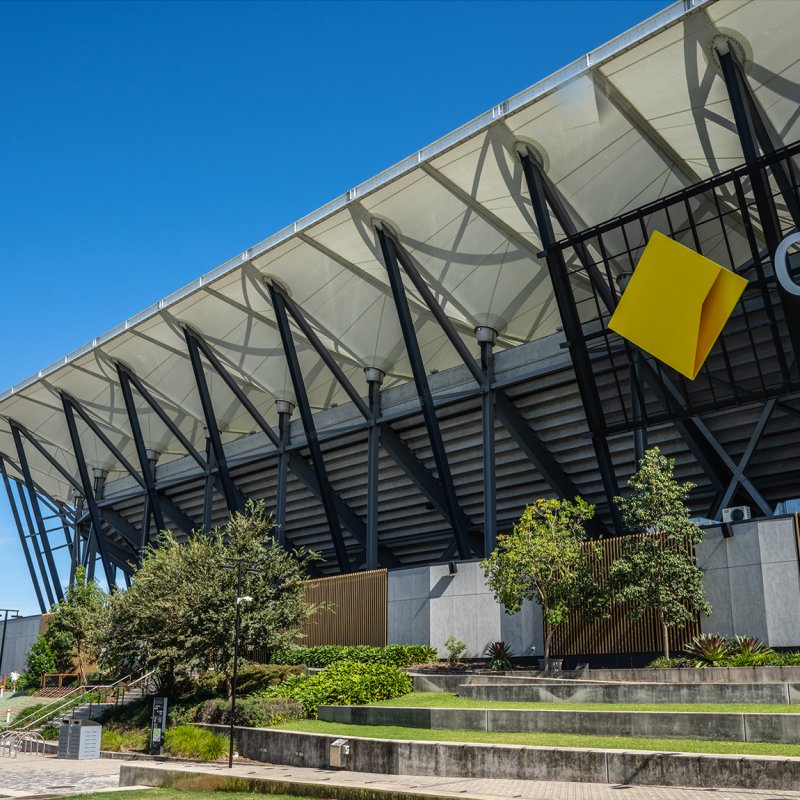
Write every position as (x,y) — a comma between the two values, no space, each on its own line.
(542,739)
(449,700)
(175,794)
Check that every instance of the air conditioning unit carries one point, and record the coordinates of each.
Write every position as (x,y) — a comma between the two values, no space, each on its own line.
(735,513)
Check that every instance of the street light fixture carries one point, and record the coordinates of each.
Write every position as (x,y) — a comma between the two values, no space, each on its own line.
(237,564)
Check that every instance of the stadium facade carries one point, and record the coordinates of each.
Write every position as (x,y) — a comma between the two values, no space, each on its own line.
(400,372)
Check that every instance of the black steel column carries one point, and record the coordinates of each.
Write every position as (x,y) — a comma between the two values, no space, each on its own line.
(565,300)
(25,504)
(22,539)
(77,502)
(374,380)
(145,464)
(89,495)
(765,204)
(220,462)
(423,390)
(37,512)
(307,418)
(486,338)
(208,486)
(285,409)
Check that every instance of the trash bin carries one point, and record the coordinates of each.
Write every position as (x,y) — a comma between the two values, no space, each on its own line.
(79,739)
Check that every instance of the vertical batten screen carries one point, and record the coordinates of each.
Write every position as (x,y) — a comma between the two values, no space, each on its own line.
(617,634)
(358,603)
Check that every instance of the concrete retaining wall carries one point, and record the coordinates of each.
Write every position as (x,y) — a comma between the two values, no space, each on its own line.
(692,675)
(443,682)
(724,726)
(584,692)
(513,761)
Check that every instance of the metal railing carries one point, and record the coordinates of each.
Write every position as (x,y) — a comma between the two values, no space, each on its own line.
(12,742)
(84,695)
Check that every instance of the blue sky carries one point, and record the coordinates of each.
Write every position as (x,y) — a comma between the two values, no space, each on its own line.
(143,144)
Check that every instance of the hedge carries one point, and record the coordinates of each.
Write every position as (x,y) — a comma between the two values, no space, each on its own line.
(399,655)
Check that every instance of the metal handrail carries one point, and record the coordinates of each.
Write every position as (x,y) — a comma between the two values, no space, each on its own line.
(48,711)
(73,702)
(58,700)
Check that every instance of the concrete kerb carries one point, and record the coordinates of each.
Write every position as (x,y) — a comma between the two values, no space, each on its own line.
(188,780)
(520,762)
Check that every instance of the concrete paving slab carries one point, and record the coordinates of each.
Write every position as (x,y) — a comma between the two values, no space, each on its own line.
(345,785)
(35,774)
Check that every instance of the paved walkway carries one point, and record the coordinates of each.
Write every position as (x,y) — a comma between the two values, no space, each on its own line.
(470,789)
(30,775)
(39,774)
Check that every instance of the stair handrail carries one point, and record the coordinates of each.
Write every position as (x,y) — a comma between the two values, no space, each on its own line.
(57,701)
(141,678)
(72,702)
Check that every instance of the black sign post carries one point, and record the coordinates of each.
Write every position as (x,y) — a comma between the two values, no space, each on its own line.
(158,724)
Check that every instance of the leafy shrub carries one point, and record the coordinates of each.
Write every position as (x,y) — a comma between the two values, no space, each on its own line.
(400,655)
(254,678)
(500,655)
(50,732)
(455,648)
(347,683)
(251,712)
(669,663)
(132,715)
(118,740)
(749,644)
(708,650)
(27,713)
(187,741)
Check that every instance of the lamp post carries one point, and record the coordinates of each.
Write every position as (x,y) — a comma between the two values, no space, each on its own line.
(237,564)
(7,611)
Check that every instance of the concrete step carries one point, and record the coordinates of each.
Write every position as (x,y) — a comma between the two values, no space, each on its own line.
(633,693)
(715,726)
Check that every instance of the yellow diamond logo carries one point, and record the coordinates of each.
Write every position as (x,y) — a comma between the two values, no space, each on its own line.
(676,304)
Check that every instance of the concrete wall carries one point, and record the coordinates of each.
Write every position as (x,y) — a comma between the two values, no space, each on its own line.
(515,762)
(752,580)
(715,726)
(582,691)
(428,604)
(20,635)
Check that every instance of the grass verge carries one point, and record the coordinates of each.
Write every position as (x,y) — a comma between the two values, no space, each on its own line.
(544,739)
(449,700)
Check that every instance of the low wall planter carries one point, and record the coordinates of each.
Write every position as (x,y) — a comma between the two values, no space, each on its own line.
(456,759)
(714,726)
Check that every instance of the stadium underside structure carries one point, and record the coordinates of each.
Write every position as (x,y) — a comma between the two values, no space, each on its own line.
(399,373)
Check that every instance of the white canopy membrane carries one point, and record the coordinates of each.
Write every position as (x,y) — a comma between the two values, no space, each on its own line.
(639,118)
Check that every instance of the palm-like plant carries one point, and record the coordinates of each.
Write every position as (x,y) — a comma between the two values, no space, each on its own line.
(500,655)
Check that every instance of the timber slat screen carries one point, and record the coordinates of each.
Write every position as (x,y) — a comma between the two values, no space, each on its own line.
(617,634)
(358,603)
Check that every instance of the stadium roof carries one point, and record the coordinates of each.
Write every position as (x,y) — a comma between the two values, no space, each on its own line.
(636,119)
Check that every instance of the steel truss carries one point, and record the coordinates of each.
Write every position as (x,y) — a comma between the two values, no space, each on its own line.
(744,207)
(623,391)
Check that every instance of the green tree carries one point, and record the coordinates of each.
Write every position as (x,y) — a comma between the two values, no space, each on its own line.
(73,630)
(657,569)
(40,660)
(178,614)
(547,559)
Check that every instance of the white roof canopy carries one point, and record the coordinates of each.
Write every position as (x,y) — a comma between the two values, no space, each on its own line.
(631,122)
